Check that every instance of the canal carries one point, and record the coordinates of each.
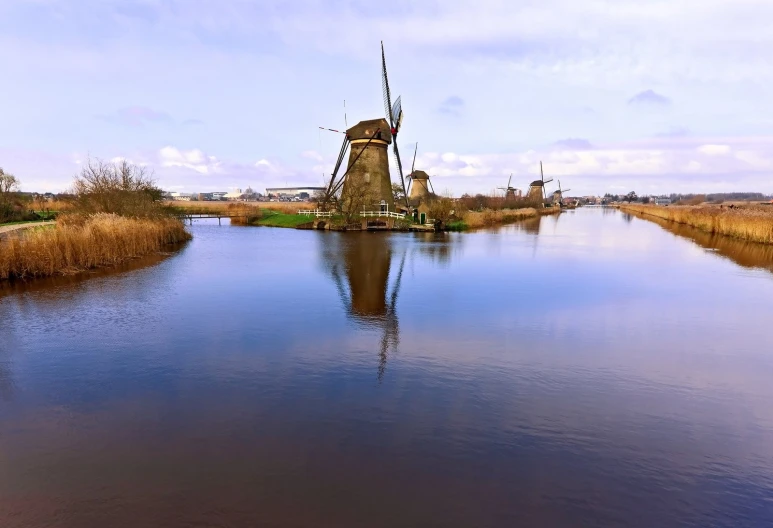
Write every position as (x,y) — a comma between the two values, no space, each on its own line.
(587,369)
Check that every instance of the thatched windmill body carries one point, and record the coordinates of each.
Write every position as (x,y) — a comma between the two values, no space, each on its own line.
(558,195)
(368,168)
(419,185)
(511,193)
(537,187)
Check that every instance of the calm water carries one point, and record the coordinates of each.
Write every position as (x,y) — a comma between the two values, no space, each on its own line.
(591,369)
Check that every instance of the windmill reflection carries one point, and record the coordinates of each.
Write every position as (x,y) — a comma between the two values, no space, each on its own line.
(360,265)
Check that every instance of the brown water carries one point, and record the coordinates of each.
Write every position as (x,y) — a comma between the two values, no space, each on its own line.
(591,369)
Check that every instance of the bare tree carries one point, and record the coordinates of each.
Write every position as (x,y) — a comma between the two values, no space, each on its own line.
(116,187)
(9,186)
(356,194)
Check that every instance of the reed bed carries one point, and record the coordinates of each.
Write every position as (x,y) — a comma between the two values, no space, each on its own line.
(749,222)
(214,207)
(79,243)
(489,217)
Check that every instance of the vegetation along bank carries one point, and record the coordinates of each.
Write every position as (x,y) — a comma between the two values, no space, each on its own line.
(747,222)
(115,215)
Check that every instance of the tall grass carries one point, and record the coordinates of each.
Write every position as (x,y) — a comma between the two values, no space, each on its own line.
(753,223)
(489,217)
(79,243)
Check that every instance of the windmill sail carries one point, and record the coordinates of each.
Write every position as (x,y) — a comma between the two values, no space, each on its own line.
(395,116)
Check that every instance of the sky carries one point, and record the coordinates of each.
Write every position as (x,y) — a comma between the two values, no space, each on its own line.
(612,95)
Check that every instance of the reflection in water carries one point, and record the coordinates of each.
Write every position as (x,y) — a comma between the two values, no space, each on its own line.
(365,260)
(747,254)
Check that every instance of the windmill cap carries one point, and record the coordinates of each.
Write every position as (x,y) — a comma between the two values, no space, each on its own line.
(419,175)
(536,183)
(366,129)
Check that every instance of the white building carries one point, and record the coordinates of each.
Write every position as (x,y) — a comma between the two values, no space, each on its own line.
(292,192)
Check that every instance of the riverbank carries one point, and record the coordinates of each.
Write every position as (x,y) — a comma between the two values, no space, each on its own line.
(753,223)
(74,245)
(496,217)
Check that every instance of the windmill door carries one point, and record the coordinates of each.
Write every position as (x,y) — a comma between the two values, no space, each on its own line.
(383,206)
(423,218)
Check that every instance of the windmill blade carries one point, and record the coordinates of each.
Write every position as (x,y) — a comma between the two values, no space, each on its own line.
(548,180)
(509,180)
(541,173)
(413,165)
(332,130)
(565,190)
(559,185)
(430,185)
(397,113)
(385,88)
(400,170)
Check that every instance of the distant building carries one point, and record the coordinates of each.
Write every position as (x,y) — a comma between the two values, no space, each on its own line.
(662,201)
(220,195)
(293,192)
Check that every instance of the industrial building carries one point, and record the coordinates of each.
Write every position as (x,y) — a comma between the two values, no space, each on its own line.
(292,192)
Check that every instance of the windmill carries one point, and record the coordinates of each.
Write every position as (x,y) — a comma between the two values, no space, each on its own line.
(558,196)
(419,184)
(366,178)
(395,116)
(510,192)
(537,187)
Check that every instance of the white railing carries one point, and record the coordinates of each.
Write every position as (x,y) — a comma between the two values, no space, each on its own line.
(386,214)
(316,212)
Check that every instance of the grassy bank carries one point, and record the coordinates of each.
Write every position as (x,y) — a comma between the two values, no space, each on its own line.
(749,222)
(81,243)
(277,219)
(490,218)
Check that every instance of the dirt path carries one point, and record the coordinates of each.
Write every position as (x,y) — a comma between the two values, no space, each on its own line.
(6,230)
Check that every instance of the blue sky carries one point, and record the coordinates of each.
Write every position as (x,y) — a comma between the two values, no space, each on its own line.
(613,95)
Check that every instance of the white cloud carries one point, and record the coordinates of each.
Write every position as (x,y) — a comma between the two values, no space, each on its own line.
(714,150)
(193,159)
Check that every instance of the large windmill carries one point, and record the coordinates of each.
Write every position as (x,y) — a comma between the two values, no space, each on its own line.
(537,187)
(366,178)
(419,184)
(511,193)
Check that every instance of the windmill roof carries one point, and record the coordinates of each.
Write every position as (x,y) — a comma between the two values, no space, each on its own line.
(366,129)
(419,175)
(536,183)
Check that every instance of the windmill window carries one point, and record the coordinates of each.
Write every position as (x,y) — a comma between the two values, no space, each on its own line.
(367,177)
(383,206)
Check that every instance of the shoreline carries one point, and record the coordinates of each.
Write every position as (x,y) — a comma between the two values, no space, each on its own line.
(752,223)
(99,241)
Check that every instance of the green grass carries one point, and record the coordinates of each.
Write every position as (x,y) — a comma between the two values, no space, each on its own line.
(274,219)
(457,225)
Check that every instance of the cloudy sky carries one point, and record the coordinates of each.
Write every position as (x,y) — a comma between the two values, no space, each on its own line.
(613,95)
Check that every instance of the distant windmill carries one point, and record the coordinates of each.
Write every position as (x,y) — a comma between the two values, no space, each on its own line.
(537,187)
(558,196)
(510,192)
(419,184)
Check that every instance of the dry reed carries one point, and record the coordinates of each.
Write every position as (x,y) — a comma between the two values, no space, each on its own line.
(79,243)
(752,223)
(489,217)
(215,207)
